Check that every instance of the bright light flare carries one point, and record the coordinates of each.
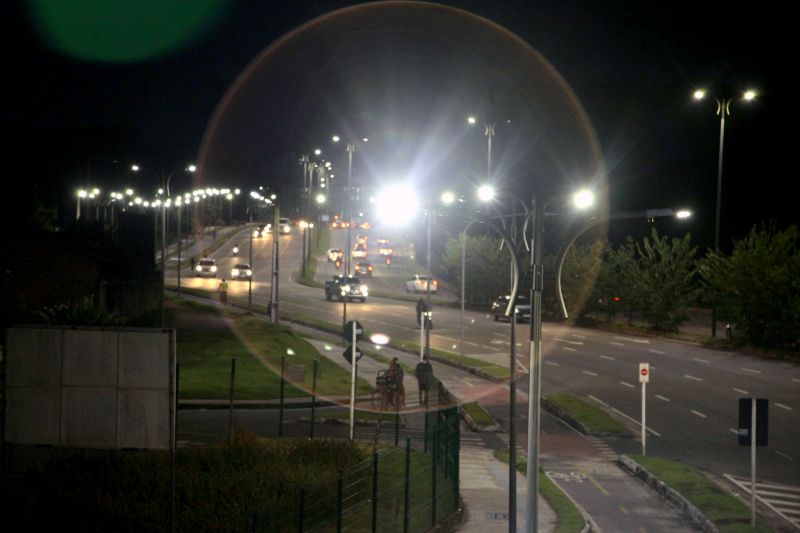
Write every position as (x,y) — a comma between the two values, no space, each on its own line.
(683,213)
(486,193)
(471,120)
(750,95)
(396,205)
(381,339)
(699,94)
(448,197)
(583,199)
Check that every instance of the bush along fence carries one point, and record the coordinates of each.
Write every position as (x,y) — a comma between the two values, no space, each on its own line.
(410,487)
(402,489)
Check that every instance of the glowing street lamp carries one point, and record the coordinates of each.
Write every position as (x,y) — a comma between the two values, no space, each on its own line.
(723,110)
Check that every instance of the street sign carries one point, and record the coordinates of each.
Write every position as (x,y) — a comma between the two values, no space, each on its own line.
(348,331)
(644,372)
(746,417)
(348,354)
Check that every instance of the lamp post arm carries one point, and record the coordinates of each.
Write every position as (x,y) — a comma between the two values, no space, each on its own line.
(645,213)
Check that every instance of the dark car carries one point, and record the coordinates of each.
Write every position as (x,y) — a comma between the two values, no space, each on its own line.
(364,268)
(523,309)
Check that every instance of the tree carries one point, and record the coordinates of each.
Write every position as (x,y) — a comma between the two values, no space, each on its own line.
(664,281)
(487,268)
(758,285)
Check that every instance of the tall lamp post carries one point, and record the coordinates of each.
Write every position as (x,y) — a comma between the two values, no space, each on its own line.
(723,110)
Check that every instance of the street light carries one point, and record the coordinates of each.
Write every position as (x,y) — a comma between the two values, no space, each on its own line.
(723,110)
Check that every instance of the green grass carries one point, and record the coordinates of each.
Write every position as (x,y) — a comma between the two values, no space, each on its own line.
(205,353)
(218,487)
(478,414)
(493,370)
(568,518)
(594,419)
(726,511)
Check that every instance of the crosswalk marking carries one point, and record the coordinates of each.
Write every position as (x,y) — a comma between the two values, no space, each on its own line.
(783,499)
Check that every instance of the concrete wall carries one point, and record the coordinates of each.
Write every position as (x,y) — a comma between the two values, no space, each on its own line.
(90,387)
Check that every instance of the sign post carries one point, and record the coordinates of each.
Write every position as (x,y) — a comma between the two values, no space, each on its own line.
(753,431)
(644,378)
(353,331)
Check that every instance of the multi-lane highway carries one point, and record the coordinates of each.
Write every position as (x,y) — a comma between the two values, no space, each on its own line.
(692,396)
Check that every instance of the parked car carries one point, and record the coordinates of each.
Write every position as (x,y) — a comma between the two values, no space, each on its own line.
(206,268)
(420,284)
(364,268)
(334,254)
(523,308)
(242,271)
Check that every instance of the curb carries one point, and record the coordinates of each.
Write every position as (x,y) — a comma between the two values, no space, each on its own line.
(695,516)
(492,428)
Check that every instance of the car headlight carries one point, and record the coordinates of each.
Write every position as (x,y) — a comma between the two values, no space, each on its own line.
(235,272)
(346,288)
(364,290)
(249,272)
(213,268)
(255,233)
(198,268)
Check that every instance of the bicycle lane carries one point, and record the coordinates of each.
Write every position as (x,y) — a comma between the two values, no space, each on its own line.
(584,468)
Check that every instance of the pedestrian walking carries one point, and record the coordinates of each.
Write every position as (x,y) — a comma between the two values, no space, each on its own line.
(424,373)
(223,291)
(394,378)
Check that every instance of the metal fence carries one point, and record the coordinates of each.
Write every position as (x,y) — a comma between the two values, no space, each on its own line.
(400,489)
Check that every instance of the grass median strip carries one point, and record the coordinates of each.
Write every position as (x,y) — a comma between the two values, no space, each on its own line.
(478,414)
(728,513)
(594,419)
(568,518)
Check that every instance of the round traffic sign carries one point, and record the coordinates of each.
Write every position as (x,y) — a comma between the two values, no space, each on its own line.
(643,371)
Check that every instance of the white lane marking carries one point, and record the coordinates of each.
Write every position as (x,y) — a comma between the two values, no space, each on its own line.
(615,343)
(499,334)
(784,455)
(608,357)
(776,404)
(663,398)
(700,360)
(694,378)
(577,336)
(471,343)
(734,431)
(741,391)
(499,342)
(796,380)
(568,349)
(652,350)
(626,384)
(551,363)
(698,413)
(579,343)
(589,373)
(631,339)
(598,400)
(751,370)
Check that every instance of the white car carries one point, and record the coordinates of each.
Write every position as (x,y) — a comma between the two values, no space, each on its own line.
(242,271)
(206,268)
(420,284)
(334,254)
(284,226)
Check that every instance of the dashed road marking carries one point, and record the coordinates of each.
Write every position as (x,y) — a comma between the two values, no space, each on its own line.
(626,384)
(662,398)
(700,360)
(698,413)
(578,343)
(588,373)
(796,380)
(693,378)
(568,349)
(615,343)
(782,406)
(783,455)
(607,357)
(751,370)
(551,363)
(659,352)
(631,339)
(741,391)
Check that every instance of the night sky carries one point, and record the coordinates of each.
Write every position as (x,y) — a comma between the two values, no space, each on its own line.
(407,81)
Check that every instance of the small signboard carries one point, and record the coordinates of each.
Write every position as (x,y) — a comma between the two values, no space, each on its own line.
(348,331)
(746,417)
(644,372)
(348,354)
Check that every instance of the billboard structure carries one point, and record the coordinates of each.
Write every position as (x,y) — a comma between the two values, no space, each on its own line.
(84,387)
